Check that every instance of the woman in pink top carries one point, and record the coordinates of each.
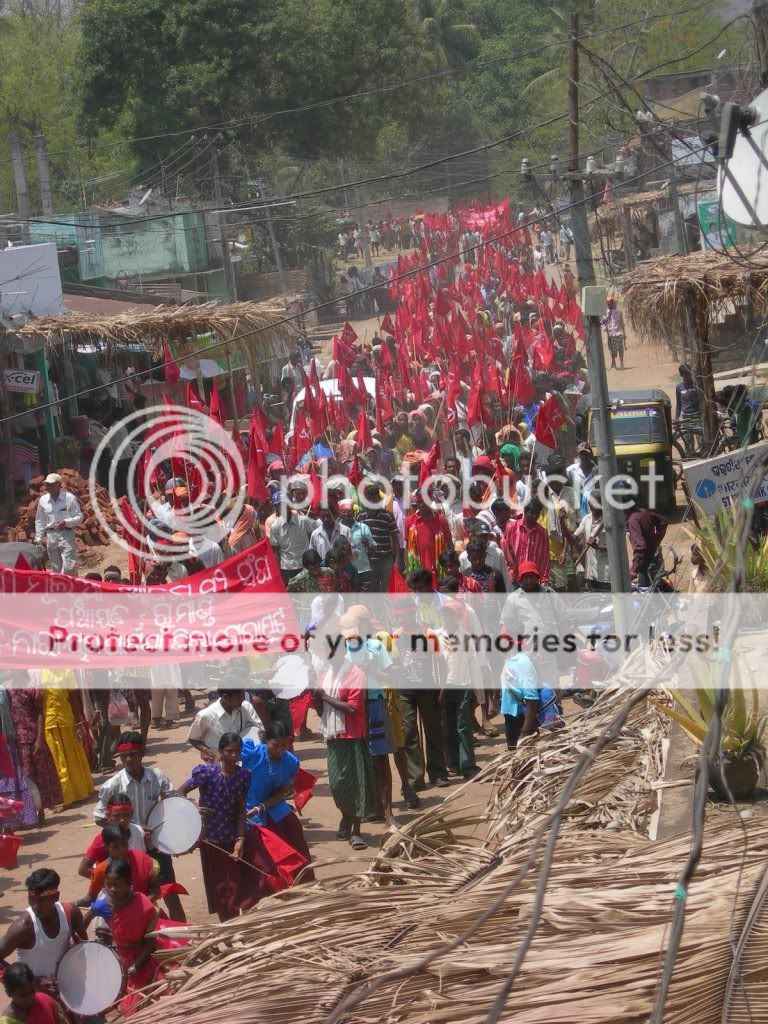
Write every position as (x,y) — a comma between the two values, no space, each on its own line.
(343,723)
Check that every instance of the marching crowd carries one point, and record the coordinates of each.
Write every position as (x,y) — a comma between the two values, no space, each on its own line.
(443,467)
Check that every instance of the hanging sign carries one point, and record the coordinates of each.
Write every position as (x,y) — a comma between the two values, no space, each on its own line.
(25,381)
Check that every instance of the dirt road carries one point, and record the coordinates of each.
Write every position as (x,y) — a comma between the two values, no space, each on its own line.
(61,842)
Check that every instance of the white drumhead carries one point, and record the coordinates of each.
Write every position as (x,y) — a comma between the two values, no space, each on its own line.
(291,676)
(175,825)
(90,978)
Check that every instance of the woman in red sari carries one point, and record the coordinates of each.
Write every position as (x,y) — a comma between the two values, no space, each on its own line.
(130,917)
(27,1005)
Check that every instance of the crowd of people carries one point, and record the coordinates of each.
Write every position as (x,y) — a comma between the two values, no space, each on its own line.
(444,466)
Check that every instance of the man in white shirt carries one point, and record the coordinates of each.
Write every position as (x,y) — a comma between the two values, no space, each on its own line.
(58,513)
(328,532)
(230,713)
(494,556)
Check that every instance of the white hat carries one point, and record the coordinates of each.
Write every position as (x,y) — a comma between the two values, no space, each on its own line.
(53,478)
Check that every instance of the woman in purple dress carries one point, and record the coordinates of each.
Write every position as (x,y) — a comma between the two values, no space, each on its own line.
(26,703)
(223,787)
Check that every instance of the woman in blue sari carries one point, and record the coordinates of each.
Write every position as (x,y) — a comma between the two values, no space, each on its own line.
(274,840)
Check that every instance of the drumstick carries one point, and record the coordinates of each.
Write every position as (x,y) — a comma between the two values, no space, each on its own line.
(588,543)
(247,863)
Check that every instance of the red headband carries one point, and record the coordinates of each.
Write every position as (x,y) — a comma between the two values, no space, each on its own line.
(120,808)
(45,892)
(123,747)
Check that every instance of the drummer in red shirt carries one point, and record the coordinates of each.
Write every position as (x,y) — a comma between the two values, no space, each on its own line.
(427,533)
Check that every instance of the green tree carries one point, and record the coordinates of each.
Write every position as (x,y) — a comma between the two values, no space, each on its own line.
(174,64)
(453,42)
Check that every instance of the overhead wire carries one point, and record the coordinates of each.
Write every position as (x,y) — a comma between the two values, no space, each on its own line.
(289,318)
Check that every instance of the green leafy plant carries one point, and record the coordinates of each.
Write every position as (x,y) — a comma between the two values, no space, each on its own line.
(744,724)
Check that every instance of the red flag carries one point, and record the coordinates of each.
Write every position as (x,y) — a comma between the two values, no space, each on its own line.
(300,440)
(363,435)
(132,524)
(191,398)
(314,380)
(277,444)
(348,335)
(236,481)
(215,411)
(22,563)
(442,306)
(523,391)
(387,327)
(549,419)
(429,465)
(288,861)
(172,371)
(257,471)
(355,473)
(303,785)
(397,584)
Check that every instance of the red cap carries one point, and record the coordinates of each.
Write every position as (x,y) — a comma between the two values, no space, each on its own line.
(528,567)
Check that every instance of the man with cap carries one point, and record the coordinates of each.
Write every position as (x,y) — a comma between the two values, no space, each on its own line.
(582,474)
(58,513)
(291,532)
(531,612)
(477,529)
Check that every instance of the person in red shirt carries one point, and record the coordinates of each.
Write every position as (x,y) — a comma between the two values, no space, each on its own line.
(427,534)
(144,870)
(119,812)
(526,541)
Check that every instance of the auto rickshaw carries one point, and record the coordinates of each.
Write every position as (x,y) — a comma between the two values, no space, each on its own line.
(642,434)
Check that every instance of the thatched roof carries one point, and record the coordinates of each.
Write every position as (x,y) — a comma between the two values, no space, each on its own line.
(642,206)
(266,338)
(658,292)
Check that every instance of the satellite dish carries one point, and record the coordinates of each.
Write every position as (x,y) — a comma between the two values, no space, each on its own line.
(743,190)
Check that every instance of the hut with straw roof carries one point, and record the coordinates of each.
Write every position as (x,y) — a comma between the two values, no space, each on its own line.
(254,333)
(680,300)
(207,340)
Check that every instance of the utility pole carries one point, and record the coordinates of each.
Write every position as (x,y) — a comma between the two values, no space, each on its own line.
(44,173)
(230,284)
(20,180)
(593,302)
(582,245)
(573,89)
(760,21)
(273,238)
(680,232)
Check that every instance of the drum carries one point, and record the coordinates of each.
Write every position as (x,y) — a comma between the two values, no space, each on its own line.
(90,977)
(175,825)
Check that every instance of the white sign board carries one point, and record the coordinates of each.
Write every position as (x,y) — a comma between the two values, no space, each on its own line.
(30,282)
(715,483)
(25,381)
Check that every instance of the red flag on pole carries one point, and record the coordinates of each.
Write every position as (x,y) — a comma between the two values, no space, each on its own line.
(191,398)
(172,372)
(363,433)
(215,411)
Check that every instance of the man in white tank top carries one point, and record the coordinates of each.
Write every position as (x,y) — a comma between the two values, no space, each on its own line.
(43,933)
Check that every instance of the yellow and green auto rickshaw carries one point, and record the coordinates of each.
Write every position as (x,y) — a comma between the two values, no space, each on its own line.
(642,433)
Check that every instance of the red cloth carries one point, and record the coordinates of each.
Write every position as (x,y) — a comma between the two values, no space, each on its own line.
(549,418)
(215,411)
(303,785)
(44,1010)
(277,854)
(192,399)
(22,563)
(172,371)
(129,926)
(528,545)
(397,583)
(428,537)
(299,708)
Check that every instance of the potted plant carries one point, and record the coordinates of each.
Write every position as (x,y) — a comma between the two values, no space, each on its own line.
(743,734)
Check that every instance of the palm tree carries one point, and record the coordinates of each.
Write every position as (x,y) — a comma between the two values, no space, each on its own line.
(559,35)
(453,42)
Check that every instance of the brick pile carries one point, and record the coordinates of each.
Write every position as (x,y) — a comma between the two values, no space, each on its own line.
(90,534)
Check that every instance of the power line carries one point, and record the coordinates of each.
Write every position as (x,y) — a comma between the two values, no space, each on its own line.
(289,318)
(395,86)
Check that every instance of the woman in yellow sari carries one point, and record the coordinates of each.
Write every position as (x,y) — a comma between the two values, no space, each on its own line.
(62,715)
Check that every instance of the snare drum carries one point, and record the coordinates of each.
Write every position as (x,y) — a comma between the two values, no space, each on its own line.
(175,824)
(90,978)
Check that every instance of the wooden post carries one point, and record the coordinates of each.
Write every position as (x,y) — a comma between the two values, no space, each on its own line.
(629,248)
(705,382)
